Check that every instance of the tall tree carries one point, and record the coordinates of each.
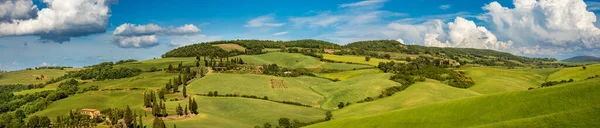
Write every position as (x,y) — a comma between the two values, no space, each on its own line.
(179,110)
(158,123)
(185,111)
(170,68)
(184,92)
(141,122)
(194,107)
(128,117)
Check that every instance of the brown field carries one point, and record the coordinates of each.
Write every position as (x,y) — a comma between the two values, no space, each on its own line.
(229,47)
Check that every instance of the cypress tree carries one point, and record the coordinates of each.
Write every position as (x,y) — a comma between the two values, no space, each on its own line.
(128,117)
(194,107)
(184,92)
(185,111)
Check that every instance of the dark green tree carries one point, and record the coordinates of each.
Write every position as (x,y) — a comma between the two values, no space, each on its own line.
(284,122)
(158,123)
(184,92)
(179,110)
(128,117)
(194,107)
(328,116)
(341,105)
(367,58)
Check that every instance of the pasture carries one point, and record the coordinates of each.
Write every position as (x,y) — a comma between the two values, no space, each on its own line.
(567,105)
(576,73)
(353,89)
(160,63)
(29,76)
(354,59)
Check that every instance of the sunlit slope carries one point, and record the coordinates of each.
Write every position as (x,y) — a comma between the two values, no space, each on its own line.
(297,88)
(29,76)
(295,60)
(420,93)
(353,89)
(224,112)
(355,59)
(350,74)
(149,80)
(568,105)
(161,63)
(577,73)
(493,80)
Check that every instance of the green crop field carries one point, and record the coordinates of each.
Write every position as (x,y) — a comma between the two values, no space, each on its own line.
(350,74)
(420,93)
(295,60)
(298,88)
(355,59)
(576,73)
(568,105)
(95,100)
(227,112)
(493,80)
(151,80)
(353,89)
(161,63)
(28,76)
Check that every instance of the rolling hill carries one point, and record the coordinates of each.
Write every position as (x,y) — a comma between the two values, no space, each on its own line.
(582,59)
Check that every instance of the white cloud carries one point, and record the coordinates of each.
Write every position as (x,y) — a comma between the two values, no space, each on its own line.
(144,36)
(17,10)
(14,62)
(263,21)
(153,29)
(44,64)
(546,23)
(466,34)
(280,33)
(136,41)
(445,6)
(174,44)
(362,3)
(400,40)
(59,22)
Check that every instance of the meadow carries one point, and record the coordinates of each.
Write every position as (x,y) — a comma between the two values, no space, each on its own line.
(298,88)
(353,89)
(533,108)
(349,74)
(230,47)
(149,80)
(160,63)
(29,76)
(575,73)
(494,80)
(295,60)
(354,59)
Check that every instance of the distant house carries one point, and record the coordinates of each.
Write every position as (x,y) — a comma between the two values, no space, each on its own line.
(454,63)
(93,113)
(259,69)
(220,68)
(287,72)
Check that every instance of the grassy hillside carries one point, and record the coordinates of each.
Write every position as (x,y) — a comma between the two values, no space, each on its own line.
(298,88)
(420,93)
(350,74)
(151,80)
(295,60)
(494,80)
(241,113)
(230,47)
(582,59)
(354,59)
(96,100)
(577,73)
(161,63)
(353,89)
(28,76)
(568,105)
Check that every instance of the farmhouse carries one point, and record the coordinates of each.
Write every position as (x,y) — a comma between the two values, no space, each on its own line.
(91,112)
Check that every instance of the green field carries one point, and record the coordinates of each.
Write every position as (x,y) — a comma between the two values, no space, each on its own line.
(576,73)
(349,74)
(227,112)
(353,89)
(95,100)
(354,59)
(420,93)
(295,60)
(28,76)
(568,105)
(298,88)
(494,80)
(160,63)
(151,80)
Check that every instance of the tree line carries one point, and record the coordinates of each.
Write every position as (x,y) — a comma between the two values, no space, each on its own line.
(422,67)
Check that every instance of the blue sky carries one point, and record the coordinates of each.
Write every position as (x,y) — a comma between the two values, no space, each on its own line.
(42,33)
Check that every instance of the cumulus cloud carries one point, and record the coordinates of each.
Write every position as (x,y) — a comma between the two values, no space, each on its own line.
(136,41)
(144,36)
(545,23)
(445,6)
(280,33)
(466,34)
(263,21)
(17,10)
(59,22)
